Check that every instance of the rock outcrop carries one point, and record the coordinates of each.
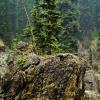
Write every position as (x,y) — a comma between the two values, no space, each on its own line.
(92,83)
(33,77)
(58,77)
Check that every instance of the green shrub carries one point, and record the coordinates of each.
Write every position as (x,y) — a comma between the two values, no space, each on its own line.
(21,61)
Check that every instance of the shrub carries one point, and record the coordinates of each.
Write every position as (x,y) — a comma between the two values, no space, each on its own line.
(21,61)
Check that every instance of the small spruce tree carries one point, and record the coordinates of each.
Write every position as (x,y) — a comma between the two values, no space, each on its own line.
(46,26)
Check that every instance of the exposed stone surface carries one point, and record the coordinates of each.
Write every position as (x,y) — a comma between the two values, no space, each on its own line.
(92,84)
(24,48)
(58,77)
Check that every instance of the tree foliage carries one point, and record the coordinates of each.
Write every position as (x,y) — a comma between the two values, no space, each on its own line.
(46,26)
(71,25)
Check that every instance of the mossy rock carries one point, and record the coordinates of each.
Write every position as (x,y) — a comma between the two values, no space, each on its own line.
(23,48)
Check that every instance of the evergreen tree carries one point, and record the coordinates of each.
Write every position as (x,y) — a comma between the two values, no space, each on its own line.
(4,23)
(97,14)
(71,25)
(46,26)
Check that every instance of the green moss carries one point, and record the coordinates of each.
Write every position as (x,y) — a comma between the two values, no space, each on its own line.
(2,43)
(21,61)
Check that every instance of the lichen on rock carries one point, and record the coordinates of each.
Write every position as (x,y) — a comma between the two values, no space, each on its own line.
(34,77)
(59,77)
